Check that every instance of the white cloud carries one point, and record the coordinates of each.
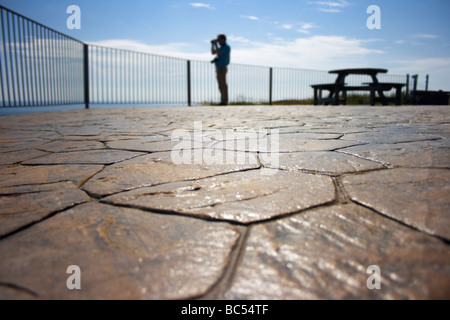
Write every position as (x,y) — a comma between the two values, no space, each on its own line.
(330,10)
(302,27)
(306,25)
(305,28)
(250,17)
(176,50)
(316,52)
(330,6)
(425,36)
(339,4)
(201,5)
(236,39)
(420,36)
(287,26)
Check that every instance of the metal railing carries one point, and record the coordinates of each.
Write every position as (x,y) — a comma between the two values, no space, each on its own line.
(127,77)
(38,66)
(41,67)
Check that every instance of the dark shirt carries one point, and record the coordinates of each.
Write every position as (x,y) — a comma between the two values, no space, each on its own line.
(224,58)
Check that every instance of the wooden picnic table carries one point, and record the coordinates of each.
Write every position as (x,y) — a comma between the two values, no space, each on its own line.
(340,87)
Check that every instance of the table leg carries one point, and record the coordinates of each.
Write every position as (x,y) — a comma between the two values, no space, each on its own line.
(372,97)
(380,92)
(398,96)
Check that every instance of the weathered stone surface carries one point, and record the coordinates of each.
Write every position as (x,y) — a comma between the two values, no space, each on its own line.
(271,144)
(27,175)
(241,197)
(390,135)
(69,146)
(26,135)
(310,135)
(325,253)
(85,157)
(122,254)
(147,144)
(433,154)
(374,193)
(19,156)
(10,145)
(417,197)
(23,205)
(156,169)
(323,162)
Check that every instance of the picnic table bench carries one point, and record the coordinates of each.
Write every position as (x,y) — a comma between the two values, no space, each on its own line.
(337,91)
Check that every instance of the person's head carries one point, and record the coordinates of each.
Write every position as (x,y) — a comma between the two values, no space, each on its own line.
(222,39)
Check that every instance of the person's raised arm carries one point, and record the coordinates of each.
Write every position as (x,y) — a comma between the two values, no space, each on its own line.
(214,48)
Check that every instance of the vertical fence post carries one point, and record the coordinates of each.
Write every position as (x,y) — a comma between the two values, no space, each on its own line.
(86,74)
(407,87)
(189,97)
(270,85)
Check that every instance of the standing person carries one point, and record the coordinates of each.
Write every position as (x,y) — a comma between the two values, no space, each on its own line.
(222,61)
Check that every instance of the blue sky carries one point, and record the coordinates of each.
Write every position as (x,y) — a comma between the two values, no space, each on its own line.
(310,34)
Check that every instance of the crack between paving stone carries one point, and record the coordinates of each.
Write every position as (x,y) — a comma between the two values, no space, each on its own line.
(219,220)
(385,165)
(444,240)
(19,288)
(31,224)
(99,197)
(237,200)
(341,194)
(85,180)
(71,151)
(18,194)
(34,185)
(173,213)
(323,173)
(37,157)
(218,289)
(291,214)
(364,143)
(357,144)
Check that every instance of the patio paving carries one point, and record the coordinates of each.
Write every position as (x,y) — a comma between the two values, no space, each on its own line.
(226,203)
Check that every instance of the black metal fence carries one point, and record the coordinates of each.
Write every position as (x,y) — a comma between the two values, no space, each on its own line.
(38,65)
(41,67)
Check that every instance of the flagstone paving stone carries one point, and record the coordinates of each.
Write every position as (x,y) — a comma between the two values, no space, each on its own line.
(15,157)
(434,154)
(251,202)
(123,254)
(325,253)
(242,197)
(321,161)
(29,175)
(390,192)
(84,157)
(150,170)
(24,205)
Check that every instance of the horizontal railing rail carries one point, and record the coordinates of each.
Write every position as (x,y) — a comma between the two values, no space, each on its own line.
(40,66)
